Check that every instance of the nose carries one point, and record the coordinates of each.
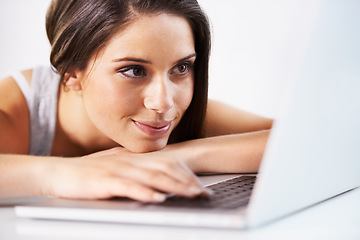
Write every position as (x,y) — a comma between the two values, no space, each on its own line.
(159,94)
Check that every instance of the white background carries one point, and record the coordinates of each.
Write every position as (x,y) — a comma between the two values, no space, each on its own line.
(257,46)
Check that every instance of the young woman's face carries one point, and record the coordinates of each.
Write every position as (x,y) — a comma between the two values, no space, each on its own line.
(138,87)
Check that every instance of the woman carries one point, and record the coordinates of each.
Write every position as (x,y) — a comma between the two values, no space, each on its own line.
(126,113)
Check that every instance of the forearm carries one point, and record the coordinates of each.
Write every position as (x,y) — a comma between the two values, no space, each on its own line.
(225,154)
(111,173)
(21,175)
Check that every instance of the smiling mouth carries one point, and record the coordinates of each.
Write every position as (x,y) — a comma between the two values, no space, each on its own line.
(154,129)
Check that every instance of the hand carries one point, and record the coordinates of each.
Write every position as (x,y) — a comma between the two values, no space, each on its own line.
(120,173)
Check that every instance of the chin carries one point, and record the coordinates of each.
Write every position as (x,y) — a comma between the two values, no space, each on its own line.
(147,146)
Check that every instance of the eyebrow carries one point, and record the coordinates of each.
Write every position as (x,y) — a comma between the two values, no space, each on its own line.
(186,58)
(139,60)
(128,59)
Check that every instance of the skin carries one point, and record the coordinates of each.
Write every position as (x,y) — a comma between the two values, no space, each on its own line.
(119,149)
(157,81)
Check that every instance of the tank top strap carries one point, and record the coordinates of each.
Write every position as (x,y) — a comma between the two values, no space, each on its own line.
(25,88)
(42,100)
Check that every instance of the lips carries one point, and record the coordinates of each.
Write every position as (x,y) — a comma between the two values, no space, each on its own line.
(154,129)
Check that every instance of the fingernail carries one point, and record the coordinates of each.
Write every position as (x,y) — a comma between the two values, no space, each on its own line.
(209,191)
(158,197)
(195,190)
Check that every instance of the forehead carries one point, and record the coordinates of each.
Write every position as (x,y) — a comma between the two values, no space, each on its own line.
(163,34)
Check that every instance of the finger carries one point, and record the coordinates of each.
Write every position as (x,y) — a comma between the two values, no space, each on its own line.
(176,169)
(185,167)
(120,187)
(182,173)
(161,181)
(194,179)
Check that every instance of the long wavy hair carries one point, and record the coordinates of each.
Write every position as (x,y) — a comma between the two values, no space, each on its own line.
(78,29)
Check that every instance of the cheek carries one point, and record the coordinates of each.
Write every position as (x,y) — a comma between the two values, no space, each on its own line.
(106,103)
(98,98)
(185,95)
(189,97)
(190,92)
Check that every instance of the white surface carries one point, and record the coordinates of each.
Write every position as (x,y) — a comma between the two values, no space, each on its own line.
(337,218)
(257,46)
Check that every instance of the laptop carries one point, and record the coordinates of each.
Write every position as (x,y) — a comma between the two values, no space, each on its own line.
(312,154)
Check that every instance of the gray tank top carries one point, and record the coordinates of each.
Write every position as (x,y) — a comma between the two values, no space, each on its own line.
(42,99)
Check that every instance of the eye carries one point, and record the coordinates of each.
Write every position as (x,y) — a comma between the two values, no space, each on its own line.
(133,71)
(182,69)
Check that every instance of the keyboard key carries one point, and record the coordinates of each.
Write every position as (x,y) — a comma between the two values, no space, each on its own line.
(229,194)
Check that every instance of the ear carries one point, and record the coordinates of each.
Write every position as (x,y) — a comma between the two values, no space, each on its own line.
(73,83)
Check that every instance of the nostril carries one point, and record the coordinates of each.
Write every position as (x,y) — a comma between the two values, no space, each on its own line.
(160,103)
(159,94)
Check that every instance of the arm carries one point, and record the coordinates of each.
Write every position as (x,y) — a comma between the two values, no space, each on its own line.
(235,153)
(104,175)
(107,174)
(234,142)
(14,118)
(222,119)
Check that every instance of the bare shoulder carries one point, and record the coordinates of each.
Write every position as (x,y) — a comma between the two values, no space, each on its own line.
(223,119)
(14,117)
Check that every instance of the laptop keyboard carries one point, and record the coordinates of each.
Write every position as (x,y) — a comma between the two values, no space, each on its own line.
(229,194)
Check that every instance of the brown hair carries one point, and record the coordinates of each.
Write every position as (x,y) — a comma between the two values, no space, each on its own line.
(78,29)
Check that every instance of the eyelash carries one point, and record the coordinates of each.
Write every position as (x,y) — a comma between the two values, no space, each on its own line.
(189,66)
(122,71)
